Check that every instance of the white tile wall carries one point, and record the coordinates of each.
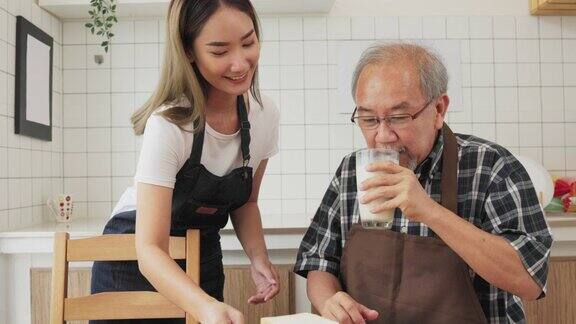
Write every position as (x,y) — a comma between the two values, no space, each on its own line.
(410,27)
(314,28)
(30,169)
(457,27)
(338,28)
(551,27)
(386,27)
(290,28)
(362,27)
(481,27)
(519,79)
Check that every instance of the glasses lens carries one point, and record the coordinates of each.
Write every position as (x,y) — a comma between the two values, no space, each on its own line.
(396,121)
(367,122)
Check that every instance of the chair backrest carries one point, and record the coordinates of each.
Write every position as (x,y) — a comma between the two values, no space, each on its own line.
(115,305)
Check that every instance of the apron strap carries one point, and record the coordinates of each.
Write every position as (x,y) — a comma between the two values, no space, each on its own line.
(449,181)
(244,129)
(198,144)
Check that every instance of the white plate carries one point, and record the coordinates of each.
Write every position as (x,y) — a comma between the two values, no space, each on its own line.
(543,183)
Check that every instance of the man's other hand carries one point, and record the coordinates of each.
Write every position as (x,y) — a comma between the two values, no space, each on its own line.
(342,308)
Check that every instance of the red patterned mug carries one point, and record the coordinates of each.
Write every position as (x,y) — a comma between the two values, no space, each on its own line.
(61,207)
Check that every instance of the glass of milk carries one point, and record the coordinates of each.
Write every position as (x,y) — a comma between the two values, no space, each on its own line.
(383,219)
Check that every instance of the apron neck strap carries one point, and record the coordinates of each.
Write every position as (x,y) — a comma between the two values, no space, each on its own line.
(449,181)
(198,144)
(244,129)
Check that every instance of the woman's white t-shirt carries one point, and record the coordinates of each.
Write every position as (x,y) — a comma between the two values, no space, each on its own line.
(165,148)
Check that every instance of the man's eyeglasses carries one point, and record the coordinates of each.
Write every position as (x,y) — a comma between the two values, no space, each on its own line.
(393,121)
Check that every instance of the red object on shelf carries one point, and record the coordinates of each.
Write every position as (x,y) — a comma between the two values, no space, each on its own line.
(569,204)
(561,187)
(565,190)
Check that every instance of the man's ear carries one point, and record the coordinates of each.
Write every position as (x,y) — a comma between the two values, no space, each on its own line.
(441,109)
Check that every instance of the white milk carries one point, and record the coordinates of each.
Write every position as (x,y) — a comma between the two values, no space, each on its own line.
(384,218)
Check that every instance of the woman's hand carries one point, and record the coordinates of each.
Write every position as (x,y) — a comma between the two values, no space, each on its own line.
(215,312)
(266,280)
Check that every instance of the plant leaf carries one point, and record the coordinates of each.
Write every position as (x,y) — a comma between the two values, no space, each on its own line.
(102,15)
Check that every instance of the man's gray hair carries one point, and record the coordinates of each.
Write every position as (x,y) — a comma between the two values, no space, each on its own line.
(427,63)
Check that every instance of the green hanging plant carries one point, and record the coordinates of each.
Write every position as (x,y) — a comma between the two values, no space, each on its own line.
(103,16)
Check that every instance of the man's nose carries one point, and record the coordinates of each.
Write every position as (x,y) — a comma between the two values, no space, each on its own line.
(384,134)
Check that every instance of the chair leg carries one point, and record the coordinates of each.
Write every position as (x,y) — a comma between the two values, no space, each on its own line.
(193,262)
(59,278)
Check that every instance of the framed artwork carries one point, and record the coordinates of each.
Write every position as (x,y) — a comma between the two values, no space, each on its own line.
(33,93)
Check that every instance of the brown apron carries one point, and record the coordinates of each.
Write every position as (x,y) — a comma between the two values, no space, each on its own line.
(410,278)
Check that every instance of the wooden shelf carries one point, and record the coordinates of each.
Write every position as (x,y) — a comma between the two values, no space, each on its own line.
(74,9)
(561,219)
(553,7)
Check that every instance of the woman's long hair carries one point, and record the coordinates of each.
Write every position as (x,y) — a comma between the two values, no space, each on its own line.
(179,77)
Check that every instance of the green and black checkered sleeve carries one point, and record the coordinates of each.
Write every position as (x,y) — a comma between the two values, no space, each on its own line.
(321,246)
(512,211)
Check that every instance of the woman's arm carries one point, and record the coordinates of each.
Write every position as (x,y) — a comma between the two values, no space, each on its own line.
(248,227)
(247,223)
(154,261)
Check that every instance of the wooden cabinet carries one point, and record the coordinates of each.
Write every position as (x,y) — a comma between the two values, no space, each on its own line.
(559,306)
(553,7)
(238,288)
(78,285)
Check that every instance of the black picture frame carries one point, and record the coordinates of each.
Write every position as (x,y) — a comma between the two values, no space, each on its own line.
(33,79)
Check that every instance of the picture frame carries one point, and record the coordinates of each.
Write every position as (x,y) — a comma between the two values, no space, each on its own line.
(33,81)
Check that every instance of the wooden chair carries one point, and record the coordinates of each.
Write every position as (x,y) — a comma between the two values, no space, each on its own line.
(115,305)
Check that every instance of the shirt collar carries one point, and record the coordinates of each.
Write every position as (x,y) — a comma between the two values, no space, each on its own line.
(431,164)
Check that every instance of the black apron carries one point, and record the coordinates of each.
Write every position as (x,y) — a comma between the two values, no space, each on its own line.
(200,200)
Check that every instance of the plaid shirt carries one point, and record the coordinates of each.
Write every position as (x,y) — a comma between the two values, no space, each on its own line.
(494,193)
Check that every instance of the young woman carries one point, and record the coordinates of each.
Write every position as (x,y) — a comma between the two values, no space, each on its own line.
(207,138)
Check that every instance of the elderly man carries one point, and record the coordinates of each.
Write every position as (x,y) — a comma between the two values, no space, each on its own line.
(468,240)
